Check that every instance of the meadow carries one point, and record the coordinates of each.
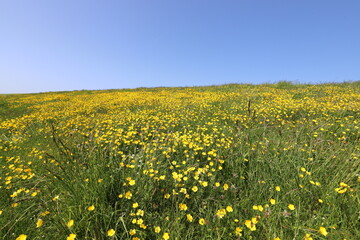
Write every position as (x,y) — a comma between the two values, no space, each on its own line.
(272,161)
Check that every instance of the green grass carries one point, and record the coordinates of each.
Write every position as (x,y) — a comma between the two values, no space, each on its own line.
(77,149)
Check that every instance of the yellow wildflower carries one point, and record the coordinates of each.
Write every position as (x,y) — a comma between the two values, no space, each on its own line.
(342,184)
(202,221)
(70,223)
(157,229)
(39,223)
(135,205)
(291,207)
(128,195)
(91,208)
(249,224)
(71,237)
(183,206)
(229,209)
(45,213)
(111,232)
(323,231)
(21,237)
(238,231)
(308,237)
(183,190)
(166,236)
(221,213)
(140,212)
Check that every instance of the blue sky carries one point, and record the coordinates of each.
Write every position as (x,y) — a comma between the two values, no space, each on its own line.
(62,45)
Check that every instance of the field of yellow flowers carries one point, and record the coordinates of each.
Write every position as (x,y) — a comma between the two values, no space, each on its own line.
(275,161)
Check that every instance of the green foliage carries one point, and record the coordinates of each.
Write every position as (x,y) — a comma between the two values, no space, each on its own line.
(233,154)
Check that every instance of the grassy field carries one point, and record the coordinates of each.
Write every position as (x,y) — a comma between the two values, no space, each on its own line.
(275,161)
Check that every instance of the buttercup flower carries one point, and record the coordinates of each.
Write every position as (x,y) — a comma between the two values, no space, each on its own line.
(91,208)
(157,229)
(202,221)
(39,223)
(111,232)
(71,237)
(323,231)
(70,223)
(166,236)
(21,237)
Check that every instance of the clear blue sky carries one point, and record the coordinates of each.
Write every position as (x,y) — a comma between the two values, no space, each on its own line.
(54,45)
